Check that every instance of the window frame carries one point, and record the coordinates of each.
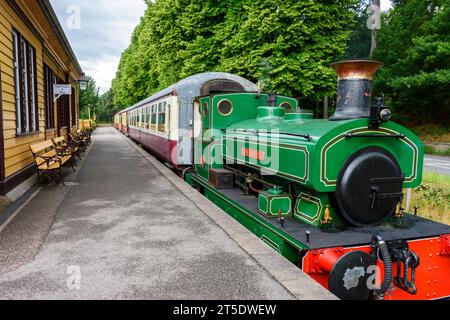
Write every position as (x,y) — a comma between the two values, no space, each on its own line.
(73,109)
(63,107)
(25,85)
(49,81)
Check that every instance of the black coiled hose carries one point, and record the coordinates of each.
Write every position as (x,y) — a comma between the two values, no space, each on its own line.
(386,256)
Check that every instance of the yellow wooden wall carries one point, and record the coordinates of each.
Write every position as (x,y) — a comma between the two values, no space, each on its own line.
(17,152)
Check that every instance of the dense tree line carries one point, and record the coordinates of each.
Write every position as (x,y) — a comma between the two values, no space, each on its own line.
(94,105)
(414,44)
(285,45)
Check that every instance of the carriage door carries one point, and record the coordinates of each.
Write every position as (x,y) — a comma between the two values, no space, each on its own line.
(202,137)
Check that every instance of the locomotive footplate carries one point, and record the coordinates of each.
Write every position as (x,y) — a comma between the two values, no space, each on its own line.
(344,260)
(416,228)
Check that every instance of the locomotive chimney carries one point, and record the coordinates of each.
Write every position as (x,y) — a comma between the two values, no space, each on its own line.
(355,79)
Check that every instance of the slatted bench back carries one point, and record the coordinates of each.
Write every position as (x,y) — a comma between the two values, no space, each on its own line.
(45,148)
(60,140)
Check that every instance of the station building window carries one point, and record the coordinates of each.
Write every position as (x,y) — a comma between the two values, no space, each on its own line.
(64,110)
(73,108)
(49,80)
(25,80)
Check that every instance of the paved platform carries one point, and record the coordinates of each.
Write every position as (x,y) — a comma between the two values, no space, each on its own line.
(130,229)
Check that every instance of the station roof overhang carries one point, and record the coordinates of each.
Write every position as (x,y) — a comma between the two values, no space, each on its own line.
(57,28)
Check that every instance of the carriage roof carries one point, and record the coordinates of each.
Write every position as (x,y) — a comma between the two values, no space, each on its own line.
(191,87)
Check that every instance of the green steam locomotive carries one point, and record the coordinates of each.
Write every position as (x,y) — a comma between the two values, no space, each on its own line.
(316,170)
(327,194)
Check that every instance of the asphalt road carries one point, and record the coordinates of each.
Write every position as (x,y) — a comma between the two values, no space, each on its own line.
(438,164)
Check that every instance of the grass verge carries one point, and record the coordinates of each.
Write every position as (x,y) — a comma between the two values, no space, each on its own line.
(432,133)
(433,198)
(439,152)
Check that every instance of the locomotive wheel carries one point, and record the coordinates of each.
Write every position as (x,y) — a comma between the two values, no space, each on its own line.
(369,187)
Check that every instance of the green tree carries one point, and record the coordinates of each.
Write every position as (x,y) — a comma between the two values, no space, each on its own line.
(106,110)
(287,45)
(358,44)
(201,24)
(88,99)
(414,44)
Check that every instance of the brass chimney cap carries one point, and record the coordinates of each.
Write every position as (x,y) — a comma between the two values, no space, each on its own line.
(356,69)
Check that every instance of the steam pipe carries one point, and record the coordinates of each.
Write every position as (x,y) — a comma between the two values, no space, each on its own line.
(386,256)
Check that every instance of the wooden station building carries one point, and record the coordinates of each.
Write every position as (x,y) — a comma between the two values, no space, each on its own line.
(34,55)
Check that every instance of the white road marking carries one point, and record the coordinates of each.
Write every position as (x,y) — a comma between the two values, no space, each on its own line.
(435,159)
(437,163)
(435,166)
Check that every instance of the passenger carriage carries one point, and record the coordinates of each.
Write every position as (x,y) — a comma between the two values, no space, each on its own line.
(120,121)
(163,122)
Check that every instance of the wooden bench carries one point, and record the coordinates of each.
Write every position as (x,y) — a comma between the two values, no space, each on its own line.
(79,141)
(65,147)
(85,135)
(49,161)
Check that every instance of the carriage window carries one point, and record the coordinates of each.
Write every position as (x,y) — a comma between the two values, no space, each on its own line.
(140,118)
(154,114)
(147,120)
(144,117)
(161,118)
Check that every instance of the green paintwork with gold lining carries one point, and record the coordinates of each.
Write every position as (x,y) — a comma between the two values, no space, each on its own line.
(275,203)
(303,156)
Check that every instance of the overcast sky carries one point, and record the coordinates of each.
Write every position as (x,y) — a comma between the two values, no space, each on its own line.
(103,31)
(101,34)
